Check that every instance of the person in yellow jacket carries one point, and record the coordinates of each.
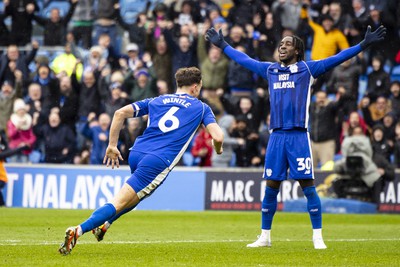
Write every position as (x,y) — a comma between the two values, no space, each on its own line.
(327,40)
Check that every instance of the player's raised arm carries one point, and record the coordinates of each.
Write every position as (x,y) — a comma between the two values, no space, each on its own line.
(113,155)
(319,67)
(217,137)
(217,39)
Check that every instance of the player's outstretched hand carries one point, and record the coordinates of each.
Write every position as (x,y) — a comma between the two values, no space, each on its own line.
(373,37)
(112,157)
(216,38)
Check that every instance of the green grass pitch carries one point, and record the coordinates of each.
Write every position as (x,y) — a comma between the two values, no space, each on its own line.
(31,237)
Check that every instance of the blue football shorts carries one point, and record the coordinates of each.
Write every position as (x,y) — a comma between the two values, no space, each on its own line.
(148,172)
(288,150)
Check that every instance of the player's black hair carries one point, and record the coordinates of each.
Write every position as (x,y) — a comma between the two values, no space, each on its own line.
(299,45)
(187,76)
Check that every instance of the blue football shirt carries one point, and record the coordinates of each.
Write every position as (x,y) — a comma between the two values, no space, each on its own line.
(290,86)
(173,120)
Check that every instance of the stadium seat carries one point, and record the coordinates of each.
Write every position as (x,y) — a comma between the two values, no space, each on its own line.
(131,8)
(395,73)
(63,6)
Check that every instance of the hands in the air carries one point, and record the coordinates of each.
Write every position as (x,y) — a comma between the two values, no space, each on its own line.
(216,38)
(373,37)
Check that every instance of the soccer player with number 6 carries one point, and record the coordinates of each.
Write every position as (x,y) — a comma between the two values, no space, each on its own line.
(173,120)
(289,147)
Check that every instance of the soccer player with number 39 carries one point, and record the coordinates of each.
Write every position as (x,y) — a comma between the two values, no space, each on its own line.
(290,83)
(172,122)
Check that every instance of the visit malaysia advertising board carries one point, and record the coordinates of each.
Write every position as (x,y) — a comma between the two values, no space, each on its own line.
(73,187)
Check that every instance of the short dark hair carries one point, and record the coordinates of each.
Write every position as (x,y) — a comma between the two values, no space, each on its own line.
(187,76)
(299,45)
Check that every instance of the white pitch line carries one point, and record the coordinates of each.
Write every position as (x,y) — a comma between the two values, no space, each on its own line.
(83,242)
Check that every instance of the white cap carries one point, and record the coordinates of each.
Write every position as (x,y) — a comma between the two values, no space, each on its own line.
(132,47)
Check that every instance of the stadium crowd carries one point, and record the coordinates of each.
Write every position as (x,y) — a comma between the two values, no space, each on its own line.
(59,105)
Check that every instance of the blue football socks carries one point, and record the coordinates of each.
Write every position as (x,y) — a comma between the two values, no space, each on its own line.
(313,206)
(116,216)
(269,204)
(98,217)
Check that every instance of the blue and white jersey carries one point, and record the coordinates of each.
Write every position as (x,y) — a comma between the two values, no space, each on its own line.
(290,86)
(173,120)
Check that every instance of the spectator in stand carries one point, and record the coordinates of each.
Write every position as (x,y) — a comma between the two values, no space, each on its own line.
(246,154)
(241,81)
(264,137)
(373,113)
(162,87)
(378,80)
(387,171)
(98,132)
(13,60)
(184,52)
(323,122)
(105,22)
(66,62)
(395,97)
(327,40)
(270,33)
(21,13)
(66,105)
(59,140)
(82,22)
(354,120)
(341,20)
(380,144)
(115,99)
(162,60)
(19,131)
(55,27)
(8,94)
(242,12)
(48,83)
(227,123)
(34,98)
(134,127)
(389,124)
(134,62)
(184,13)
(214,68)
(142,84)
(137,30)
(359,21)
(384,13)
(89,97)
(246,107)
(237,37)
(345,81)
(202,147)
(287,13)
(205,7)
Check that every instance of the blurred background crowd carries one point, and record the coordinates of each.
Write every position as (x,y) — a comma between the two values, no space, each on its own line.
(66,66)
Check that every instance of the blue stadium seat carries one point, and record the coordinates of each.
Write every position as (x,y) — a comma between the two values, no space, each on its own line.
(395,74)
(131,8)
(63,6)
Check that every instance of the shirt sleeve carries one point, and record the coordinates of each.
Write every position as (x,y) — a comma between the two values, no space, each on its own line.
(209,116)
(247,62)
(141,108)
(319,67)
